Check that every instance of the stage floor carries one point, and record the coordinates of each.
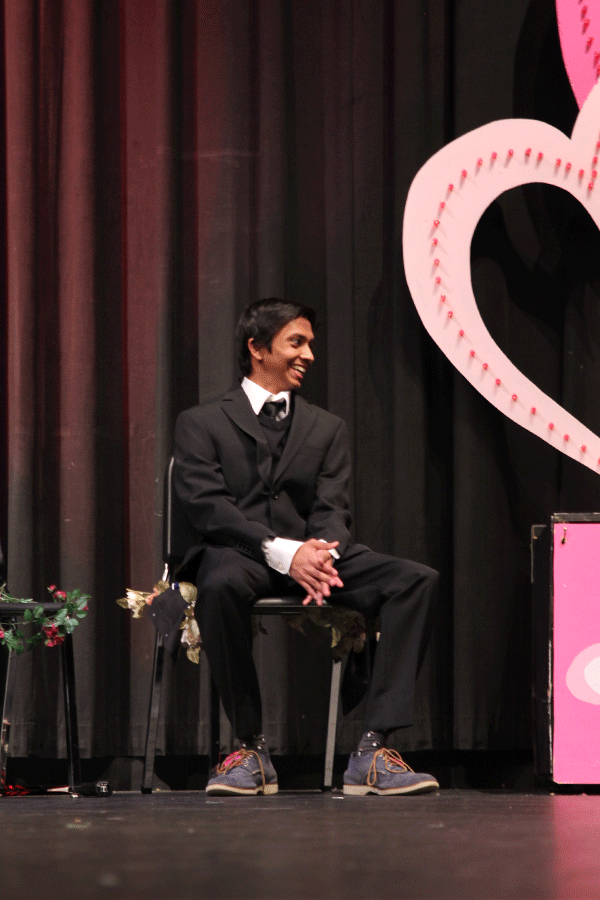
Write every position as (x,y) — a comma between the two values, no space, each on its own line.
(302,846)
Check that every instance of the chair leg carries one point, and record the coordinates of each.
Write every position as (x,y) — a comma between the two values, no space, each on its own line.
(215,725)
(7,705)
(153,713)
(334,700)
(70,700)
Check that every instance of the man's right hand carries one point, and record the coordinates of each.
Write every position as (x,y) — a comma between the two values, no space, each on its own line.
(312,568)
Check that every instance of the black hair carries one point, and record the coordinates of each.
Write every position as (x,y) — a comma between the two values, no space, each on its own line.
(262,320)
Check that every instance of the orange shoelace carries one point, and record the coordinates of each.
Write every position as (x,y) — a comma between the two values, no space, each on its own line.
(238,758)
(392,760)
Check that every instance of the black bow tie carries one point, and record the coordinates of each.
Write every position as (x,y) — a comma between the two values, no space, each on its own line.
(272,408)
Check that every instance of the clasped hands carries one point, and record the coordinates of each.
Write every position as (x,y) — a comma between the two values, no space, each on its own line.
(312,568)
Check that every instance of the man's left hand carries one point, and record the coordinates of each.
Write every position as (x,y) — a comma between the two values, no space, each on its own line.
(312,568)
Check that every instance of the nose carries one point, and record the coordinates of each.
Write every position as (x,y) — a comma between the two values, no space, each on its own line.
(307,354)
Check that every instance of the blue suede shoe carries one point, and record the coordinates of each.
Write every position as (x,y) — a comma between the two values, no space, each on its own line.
(384,771)
(246,771)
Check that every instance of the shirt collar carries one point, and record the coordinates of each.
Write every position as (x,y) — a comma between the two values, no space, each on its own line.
(257,395)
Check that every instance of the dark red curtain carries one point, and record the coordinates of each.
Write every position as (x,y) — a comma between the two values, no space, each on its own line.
(165,162)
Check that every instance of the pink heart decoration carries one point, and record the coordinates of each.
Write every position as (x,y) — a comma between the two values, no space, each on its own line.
(579,30)
(445,202)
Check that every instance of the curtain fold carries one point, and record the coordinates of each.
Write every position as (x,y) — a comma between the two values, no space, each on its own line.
(167,161)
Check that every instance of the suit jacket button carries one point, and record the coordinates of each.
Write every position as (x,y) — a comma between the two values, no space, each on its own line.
(274,496)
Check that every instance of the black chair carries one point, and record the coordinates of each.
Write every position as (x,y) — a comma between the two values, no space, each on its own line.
(177,537)
(13,613)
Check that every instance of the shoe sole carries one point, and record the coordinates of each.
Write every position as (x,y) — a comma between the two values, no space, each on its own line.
(361,790)
(223,790)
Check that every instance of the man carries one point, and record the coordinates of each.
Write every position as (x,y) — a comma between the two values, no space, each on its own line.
(263,478)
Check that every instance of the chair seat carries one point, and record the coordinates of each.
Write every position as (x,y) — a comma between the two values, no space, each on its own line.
(282,605)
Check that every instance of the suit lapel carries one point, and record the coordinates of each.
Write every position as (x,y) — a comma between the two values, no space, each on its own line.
(237,406)
(302,421)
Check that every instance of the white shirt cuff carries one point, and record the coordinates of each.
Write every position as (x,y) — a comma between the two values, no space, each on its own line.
(279,553)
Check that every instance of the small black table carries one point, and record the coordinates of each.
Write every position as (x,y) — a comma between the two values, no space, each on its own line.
(14,612)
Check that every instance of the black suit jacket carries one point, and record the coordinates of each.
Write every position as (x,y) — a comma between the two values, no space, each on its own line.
(223,476)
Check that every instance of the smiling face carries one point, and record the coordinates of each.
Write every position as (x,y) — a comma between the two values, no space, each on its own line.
(283,367)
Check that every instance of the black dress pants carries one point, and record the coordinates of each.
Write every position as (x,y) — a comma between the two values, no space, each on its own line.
(399,592)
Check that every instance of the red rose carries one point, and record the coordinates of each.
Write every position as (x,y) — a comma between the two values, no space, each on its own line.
(1,634)
(60,595)
(54,642)
(52,588)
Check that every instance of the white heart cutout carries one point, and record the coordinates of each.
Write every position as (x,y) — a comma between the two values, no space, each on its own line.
(445,202)
(591,673)
(583,675)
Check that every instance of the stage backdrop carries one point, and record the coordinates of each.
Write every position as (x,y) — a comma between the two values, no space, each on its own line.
(166,161)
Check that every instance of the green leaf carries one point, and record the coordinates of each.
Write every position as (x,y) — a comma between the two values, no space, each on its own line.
(27,615)
(11,641)
(38,612)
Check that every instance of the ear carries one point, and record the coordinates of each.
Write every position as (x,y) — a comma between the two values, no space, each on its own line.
(256,352)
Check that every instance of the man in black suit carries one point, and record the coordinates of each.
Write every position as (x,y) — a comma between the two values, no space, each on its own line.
(263,479)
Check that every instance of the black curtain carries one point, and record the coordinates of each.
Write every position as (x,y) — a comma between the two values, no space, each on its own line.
(167,161)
